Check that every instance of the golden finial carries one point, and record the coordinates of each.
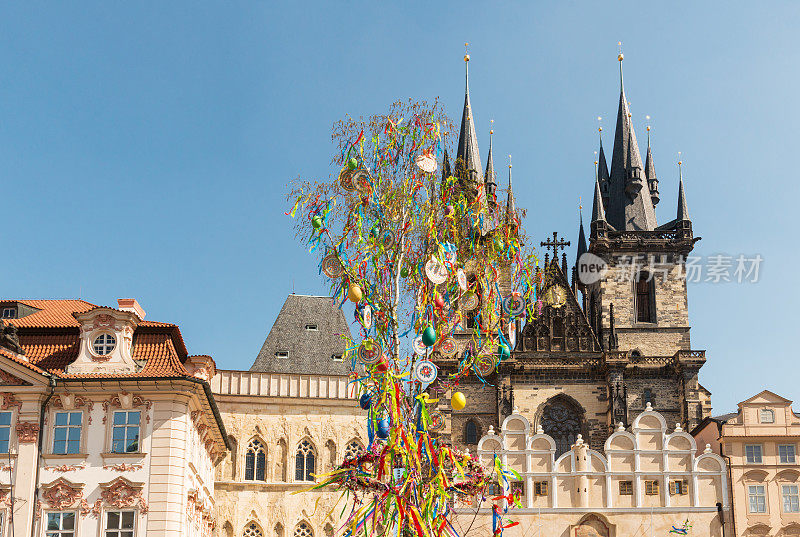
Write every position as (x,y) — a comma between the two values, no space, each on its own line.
(621,56)
(679,159)
(491,130)
(509,161)
(580,203)
(466,52)
(599,126)
(648,122)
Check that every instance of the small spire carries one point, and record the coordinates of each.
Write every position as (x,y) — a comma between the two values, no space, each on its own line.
(598,213)
(511,207)
(650,171)
(489,175)
(445,171)
(683,210)
(582,249)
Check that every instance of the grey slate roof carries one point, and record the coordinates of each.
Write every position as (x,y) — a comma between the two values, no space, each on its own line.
(598,213)
(649,167)
(581,242)
(624,211)
(309,351)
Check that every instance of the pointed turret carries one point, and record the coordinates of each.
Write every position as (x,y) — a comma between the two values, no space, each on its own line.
(468,160)
(650,173)
(629,206)
(445,170)
(602,173)
(582,249)
(511,206)
(598,212)
(683,210)
(489,182)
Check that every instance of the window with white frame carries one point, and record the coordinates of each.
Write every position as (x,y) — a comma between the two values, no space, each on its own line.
(758,498)
(125,433)
(120,524)
(304,461)
(5,431)
(786,453)
(766,416)
(67,432)
(791,499)
(752,453)
(60,524)
(104,344)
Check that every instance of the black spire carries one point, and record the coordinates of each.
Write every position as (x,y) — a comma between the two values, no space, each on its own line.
(683,210)
(468,160)
(598,213)
(602,173)
(489,178)
(582,249)
(627,207)
(650,173)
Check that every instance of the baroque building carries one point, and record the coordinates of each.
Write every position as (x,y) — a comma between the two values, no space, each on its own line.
(107,425)
(605,344)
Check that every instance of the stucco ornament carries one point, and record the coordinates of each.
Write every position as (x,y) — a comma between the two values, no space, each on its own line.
(61,494)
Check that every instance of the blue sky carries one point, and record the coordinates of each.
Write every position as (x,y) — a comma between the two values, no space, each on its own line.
(145,147)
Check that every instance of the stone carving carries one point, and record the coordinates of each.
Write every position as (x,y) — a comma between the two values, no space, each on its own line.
(9,338)
(123,467)
(69,401)
(8,379)
(66,467)
(61,494)
(27,432)
(103,321)
(127,400)
(9,401)
(121,493)
(562,422)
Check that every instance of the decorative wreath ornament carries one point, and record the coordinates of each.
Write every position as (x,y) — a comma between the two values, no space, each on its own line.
(369,352)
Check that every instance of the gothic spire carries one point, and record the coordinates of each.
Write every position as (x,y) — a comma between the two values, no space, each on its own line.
(468,160)
(581,241)
(511,207)
(650,173)
(490,184)
(598,213)
(445,170)
(683,210)
(628,207)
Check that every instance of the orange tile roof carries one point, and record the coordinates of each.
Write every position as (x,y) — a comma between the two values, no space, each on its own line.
(51,340)
(15,358)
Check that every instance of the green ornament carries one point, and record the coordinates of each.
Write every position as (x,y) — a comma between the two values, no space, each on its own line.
(352,163)
(504,352)
(316,222)
(429,336)
(404,272)
(498,244)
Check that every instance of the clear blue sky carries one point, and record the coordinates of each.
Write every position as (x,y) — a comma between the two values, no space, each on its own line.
(145,147)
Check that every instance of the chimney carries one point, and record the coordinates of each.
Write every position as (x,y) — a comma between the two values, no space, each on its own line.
(131,305)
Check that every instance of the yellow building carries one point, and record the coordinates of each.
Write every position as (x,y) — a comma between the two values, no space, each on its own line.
(760,444)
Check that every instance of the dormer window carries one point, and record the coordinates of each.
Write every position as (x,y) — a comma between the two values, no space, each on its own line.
(311,327)
(104,344)
(281,354)
(9,313)
(767,416)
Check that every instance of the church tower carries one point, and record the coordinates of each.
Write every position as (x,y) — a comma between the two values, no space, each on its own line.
(639,307)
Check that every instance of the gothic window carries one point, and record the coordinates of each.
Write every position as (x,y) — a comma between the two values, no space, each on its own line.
(562,421)
(303,530)
(252,530)
(645,298)
(352,450)
(542,338)
(471,433)
(648,397)
(572,338)
(255,461)
(304,463)
(558,334)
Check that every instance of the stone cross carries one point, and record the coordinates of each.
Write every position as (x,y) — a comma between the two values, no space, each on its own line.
(555,244)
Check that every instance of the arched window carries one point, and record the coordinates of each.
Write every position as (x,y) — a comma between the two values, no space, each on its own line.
(645,298)
(303,530)
(562,421)
(255,461)
(352,450)
(252,530)
(471,433)
(304,463)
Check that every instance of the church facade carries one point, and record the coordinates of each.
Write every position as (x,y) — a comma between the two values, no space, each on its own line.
(607,342)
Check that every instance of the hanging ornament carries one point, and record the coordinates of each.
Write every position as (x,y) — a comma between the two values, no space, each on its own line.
(458,401)
(503,352)
(361,181)
(512,334)
(484,365)
(331,266)
(448,347)
(316,222)
(429,336)
(388,239)
(369,352)
(470,301)
(352,163)
(425,372)
(461,276)
(418,346)
(436,421)
(354,293)
(404,271)
(346,180)
(366,316)
(436,271)
(365,401)
(383,429)
(426,162)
